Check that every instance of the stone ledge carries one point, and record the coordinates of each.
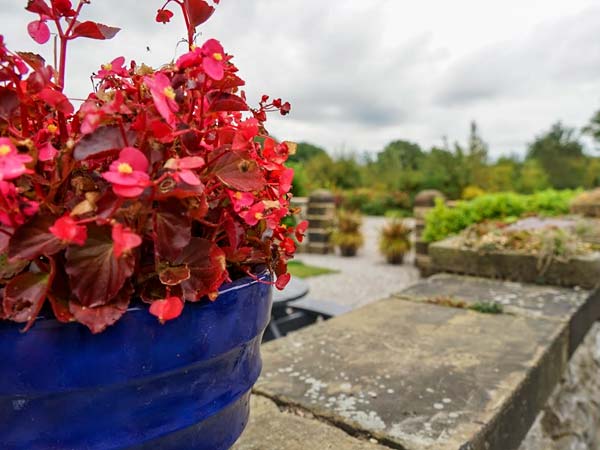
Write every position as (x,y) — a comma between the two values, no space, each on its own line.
(578,307)
(271,429)
(420,377)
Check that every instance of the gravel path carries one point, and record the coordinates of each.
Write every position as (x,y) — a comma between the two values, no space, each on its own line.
(362,279)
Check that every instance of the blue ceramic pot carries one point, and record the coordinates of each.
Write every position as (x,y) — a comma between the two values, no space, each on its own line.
(182,385)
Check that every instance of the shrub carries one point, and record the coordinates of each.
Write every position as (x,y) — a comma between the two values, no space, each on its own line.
(394,240)
(375,202)
(443,221)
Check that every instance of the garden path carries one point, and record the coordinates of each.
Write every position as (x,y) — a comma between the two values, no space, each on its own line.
(362,279)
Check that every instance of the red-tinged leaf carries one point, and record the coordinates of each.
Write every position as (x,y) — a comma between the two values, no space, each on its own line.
(57,100)
(207,269)
(9,101)
(173,229)
(36,61)
(24,296)
(34,239)
(10,268)
(39,7)
(238,171)
(94,30)
(4,238)
(198,11)
(229,81)
(239,255)
(103,139)
(170,188)
(222,101)
(99,317)
(173,275)
(95,274)
(59,295)
(153,290)
(39,31)
(167,308)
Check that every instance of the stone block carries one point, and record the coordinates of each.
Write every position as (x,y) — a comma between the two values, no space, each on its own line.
(272,429)
(418,376)
(449,256)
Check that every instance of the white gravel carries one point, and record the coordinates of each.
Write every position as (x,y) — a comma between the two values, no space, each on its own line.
(362,279)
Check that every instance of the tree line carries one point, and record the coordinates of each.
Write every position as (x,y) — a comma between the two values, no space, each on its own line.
(554,159)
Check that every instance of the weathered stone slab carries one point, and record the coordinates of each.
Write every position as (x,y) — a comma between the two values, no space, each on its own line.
(449,256)
(418,376)
(272,429)
(579,307)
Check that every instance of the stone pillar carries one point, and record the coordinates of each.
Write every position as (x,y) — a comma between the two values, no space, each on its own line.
(320,215)
(424,201)
(300,204)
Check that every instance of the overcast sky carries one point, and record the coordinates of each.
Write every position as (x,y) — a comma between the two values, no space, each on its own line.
(362,73)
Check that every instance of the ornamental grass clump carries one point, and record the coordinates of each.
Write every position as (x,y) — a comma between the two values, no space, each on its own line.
(162,185)
(347,235)
(394,241)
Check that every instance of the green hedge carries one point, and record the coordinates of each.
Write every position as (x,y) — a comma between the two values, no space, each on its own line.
(375,202)
(443,221)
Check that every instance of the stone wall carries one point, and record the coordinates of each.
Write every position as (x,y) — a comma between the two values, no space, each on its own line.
(571,419)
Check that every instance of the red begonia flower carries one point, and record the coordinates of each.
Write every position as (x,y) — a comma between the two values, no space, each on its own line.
(213,61)
(300,230)
(47,152)
(182,167)
(124,240)
(115,67)
(16,208)
(282,281)
(39,31)
(67,230)
(128,173)
(288,246)
(189,59)
(254,214)
(12,164)
(163,16)
(167,309)
(240,200)
(163,96)
(285,180)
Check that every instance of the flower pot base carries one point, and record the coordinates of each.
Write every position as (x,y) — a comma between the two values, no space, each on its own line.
(182,385)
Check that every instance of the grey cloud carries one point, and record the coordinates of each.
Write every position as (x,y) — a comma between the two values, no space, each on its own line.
(565,51)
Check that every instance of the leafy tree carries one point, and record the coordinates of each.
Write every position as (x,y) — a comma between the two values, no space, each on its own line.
(532,177)
(306,152)
(593,127)
(560,154)
(476,158)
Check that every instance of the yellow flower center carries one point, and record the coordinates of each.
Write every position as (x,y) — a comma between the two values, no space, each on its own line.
(169,92)
(52,128)
(238,195)
(4,150)
(218,56)
(125,168)
(107,66)
(258,216)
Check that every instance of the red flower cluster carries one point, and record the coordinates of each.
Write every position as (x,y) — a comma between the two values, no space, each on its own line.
(162,185)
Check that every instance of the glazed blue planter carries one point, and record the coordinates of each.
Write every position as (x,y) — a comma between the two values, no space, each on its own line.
(139,385)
